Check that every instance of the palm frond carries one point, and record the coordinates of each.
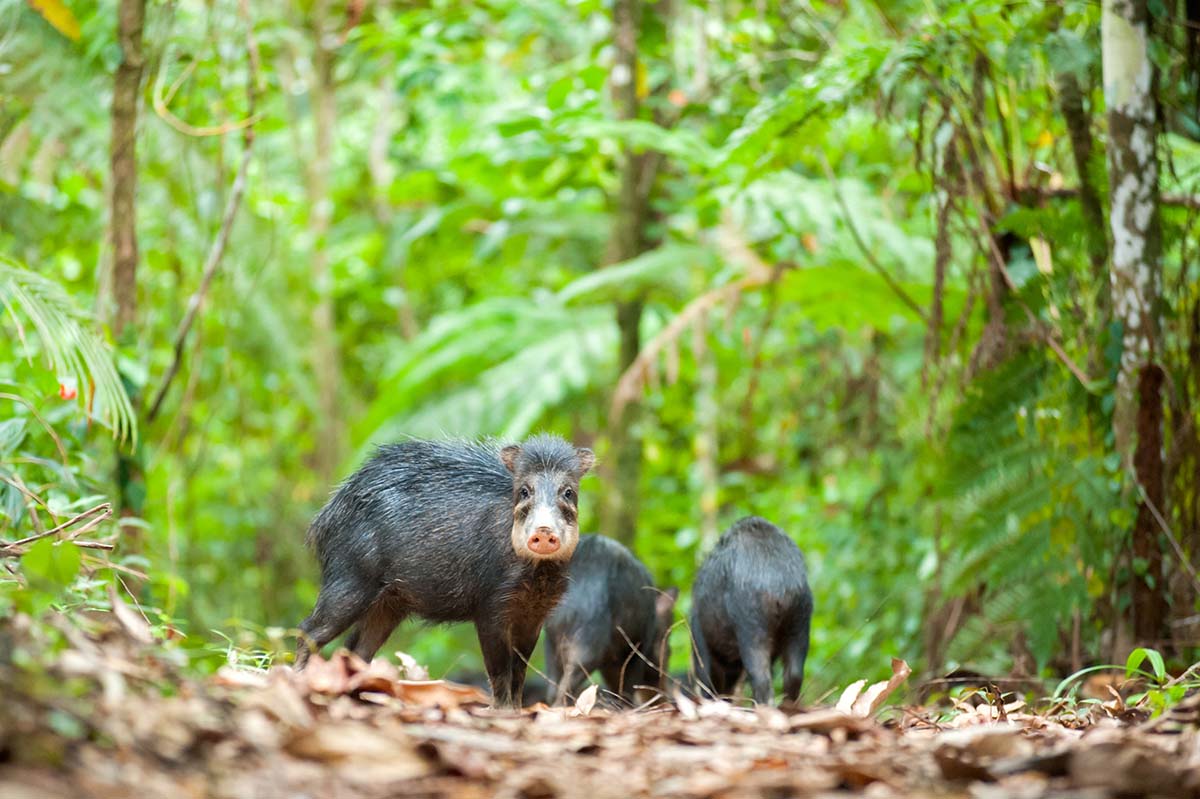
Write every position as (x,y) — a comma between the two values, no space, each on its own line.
(70,345)
(494,368)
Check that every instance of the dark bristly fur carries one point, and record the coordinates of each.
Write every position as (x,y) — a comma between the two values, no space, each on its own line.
(610,604)
(427,528)
(751,605)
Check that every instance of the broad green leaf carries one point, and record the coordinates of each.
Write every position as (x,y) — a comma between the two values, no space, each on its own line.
(50,564)
(520,125)
(667,267)
(12,432)
(1142,654)
(678,143)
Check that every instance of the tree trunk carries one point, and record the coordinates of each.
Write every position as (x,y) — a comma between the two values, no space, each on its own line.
(627,240)
(707,442)
(1079,131)
(1079,128)
(1136,285)
(131,16)
(326,360)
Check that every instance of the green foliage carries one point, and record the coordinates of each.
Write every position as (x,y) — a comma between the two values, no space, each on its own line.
(1141,655)
(66,342)
(50,568)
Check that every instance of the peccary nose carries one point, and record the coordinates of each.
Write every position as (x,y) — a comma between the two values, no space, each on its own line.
(543,541)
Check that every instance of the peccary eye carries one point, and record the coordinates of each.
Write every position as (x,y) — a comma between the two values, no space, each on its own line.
(569,495)
(524,492)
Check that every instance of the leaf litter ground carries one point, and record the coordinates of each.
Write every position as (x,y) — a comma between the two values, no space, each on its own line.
(121,721)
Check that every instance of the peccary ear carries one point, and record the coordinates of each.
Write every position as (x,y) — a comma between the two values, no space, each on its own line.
(508,456)
(586,458)
(664,603)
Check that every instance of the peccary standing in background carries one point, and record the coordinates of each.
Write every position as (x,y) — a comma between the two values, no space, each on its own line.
(751,605)
(613,619)
(449,531)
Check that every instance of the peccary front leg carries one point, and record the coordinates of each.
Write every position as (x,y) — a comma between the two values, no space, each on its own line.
(496,645)
(524,641)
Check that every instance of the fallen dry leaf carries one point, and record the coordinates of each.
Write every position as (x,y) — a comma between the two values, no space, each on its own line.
(235,677)
(587,700)
(362,753)
(870,700)
(328,676)
(971,754)
(130,620)
(439,693)
(846,701)
(854,701)
(351,729)
(379,676)
(410,668)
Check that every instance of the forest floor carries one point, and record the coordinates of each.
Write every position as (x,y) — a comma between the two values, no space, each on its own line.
(110,715)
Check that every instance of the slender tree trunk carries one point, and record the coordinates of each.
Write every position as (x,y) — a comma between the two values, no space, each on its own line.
(131,15)
(1079,131)
(1079,128)
(382,173)
(1136,286)
(627,241)
(326,359)
(707,443)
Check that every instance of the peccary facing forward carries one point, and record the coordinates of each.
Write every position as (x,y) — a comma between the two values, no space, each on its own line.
(449,531)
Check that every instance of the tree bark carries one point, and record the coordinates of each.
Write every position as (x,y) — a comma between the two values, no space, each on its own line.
(326,358)
(1136,286)
(1079,129)
(131,15)
(707,442)
(627,240)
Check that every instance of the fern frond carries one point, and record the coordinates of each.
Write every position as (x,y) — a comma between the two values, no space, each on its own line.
(494,368)
(65,336)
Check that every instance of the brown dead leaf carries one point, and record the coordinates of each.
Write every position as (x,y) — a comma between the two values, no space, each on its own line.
(333,742)
(846,701)
(329,676)
(687,708)
(410,669)
(827,720)
(281,699)
(234,677)
(438,693)
(854,701)
(130,620)
(364,754)
(587,699)
(870,700)
(379,676)
(971,754)
(1128,767)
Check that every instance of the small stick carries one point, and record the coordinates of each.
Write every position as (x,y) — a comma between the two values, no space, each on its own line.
(104,508)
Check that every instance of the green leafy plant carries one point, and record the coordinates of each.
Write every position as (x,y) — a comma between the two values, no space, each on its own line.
(66,339)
